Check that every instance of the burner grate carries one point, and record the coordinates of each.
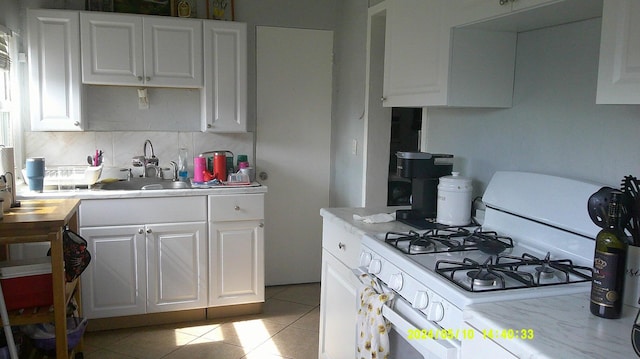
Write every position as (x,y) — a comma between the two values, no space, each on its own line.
(527,271)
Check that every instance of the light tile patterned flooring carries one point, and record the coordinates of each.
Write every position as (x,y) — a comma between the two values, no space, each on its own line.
(287,328)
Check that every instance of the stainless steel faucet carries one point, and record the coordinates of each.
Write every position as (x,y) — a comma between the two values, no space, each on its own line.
(150,164)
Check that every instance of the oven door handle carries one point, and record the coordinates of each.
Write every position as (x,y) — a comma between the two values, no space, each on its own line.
(440,347)
(432,343)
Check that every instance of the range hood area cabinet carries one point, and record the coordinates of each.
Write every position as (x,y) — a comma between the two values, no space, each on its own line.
(208,55)
(134,50)
(429,63)
(54,70)
(619,67)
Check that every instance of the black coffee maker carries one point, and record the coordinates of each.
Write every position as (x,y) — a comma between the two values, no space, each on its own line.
(424,170)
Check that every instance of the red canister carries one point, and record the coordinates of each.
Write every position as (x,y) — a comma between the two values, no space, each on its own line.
(220,166)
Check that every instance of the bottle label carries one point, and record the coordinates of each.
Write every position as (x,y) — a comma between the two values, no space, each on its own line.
(603,287)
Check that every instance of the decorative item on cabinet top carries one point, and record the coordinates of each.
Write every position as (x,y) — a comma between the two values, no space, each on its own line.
(221,10)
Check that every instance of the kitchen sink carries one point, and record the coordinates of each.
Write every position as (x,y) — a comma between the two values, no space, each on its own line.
(136,184)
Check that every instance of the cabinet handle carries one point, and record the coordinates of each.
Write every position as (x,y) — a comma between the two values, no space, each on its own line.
(140,231)
(140,78)
(209,125)
(383,99)
(261,225)
(237,208)
(147,79)
(149,230)
(77,123)
(341,246)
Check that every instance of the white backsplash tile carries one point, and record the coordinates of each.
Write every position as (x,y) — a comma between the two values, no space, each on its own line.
(119,147)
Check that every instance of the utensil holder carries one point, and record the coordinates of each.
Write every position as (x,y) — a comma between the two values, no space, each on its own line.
(632,278)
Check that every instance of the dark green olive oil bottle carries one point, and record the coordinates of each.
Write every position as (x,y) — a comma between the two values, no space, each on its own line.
(609,263)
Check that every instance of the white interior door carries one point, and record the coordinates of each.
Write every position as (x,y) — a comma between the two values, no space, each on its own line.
(293,137)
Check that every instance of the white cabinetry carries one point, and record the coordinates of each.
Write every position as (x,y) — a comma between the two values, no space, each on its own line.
(224,97)
(338,295)
(489,349)
(54,70)
(619,68)
(148,255)
(236,249)
(429,64)
(469,11)
(133,50)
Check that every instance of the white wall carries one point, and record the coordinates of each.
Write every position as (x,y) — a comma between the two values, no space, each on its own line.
(554,126)
(348,104)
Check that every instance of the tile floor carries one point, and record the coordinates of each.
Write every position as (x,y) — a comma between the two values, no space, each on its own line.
(287,328)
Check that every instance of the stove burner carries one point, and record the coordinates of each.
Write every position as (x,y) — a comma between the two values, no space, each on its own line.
(511,272)
(545,271)
(420,246)
(482,278)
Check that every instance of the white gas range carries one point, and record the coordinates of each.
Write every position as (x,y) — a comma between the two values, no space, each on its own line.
(536,241)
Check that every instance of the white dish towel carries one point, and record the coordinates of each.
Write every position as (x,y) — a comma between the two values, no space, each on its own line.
(373,328)
(376,218)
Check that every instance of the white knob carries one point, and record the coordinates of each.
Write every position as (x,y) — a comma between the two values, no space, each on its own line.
(365,259)
(421,300)
(76,123)
(395,282)
(149,230)
(342,246)
(237,208)
(436,312)
(140,231)
(375,266)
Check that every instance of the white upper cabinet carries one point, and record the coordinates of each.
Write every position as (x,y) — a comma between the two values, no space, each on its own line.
(619,68)
(429,64)
(224,97)
(133,50)
(54,70)
(469,11)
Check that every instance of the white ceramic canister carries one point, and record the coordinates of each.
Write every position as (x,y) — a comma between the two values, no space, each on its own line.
(454,200)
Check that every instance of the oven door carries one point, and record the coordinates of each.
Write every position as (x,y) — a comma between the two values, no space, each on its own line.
(412,335)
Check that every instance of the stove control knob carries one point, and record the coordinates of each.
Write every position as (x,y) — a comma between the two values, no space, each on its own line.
(436,312)
(365,259)
(396,281)
(375,266)
(421,300)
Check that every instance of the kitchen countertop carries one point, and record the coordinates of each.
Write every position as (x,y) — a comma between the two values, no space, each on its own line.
(344,217)
(24,193)
(563,327)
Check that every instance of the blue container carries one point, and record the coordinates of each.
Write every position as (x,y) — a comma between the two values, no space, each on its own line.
(35,173)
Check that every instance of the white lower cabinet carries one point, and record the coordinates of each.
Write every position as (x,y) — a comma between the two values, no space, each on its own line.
(157,266)
(236,249)
(338,309)
(489,349)
(338,294)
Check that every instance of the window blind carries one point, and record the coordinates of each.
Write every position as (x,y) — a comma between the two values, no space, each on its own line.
(5,61)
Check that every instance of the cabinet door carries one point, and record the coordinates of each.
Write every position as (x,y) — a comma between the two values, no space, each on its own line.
(338,309)
(177,266)
(236,262)
(112,49)
(54,70)
(619,68)
(224,104)
(114,284)
(416,62)
(172,52)
(471,11)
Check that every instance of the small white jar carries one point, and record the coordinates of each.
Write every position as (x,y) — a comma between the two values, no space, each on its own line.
(454,200)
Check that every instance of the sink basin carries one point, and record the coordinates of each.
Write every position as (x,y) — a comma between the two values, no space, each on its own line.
(136,184)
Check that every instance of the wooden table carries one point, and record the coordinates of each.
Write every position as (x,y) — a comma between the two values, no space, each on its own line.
(43,221)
